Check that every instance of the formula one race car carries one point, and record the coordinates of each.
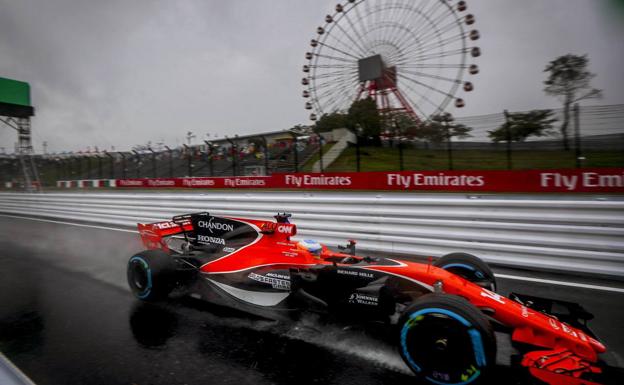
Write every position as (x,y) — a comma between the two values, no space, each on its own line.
(443,314)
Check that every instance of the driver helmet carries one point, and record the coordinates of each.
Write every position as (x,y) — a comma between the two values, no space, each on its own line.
(312,246)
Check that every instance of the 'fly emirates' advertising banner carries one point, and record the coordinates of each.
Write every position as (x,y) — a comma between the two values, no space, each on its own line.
(600,180)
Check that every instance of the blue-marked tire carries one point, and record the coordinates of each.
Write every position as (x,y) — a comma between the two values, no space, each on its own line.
(469,267)
(151,274)
(445,340)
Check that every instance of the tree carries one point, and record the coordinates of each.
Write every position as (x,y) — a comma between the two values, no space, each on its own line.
(329,122)
(568,79)
(441,128)
(521,125)
(401,124)
(364,113)
(300,129)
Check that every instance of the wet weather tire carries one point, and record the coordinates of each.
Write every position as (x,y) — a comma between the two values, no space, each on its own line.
(151,274)
(446,340)
(469,267)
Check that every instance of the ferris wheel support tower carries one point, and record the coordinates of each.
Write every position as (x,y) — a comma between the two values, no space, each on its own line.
(379,82)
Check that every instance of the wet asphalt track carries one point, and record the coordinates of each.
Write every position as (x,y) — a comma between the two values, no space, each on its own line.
(66,317)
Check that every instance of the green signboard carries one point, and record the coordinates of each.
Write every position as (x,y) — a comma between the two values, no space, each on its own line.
(15,98)
(14,92)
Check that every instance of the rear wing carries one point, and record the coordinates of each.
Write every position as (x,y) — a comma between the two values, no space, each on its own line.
(204,229)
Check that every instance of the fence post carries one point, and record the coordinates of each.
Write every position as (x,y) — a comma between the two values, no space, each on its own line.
(100,171)
(320,151)
(154,170)
(79,173)
(449,148)
(189,160)
(138,163)
(89,168)
(124,164)
(508,140)
(400,155)
(210,150)
(295,152)
(357,151)
(577,137)
(266,156)
(170,151)
(112,165)
(234,153)
(59,169)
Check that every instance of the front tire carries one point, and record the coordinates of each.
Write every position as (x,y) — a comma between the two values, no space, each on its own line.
(151,274)
(468,267)
(446,340)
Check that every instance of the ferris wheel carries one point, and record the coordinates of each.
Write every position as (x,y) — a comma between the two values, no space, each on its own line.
(410,56)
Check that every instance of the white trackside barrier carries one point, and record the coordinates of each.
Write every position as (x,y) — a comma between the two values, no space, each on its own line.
(572,234)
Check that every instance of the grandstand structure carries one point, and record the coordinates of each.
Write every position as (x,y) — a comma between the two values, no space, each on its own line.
(264,154)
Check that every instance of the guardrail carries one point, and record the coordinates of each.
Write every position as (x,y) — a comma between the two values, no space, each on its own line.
(574,234)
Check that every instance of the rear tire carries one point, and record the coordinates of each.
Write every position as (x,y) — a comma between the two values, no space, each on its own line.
(469,267)
(151,274)
(446,340)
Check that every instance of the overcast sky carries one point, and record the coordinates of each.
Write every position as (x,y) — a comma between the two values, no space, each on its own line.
(121,73)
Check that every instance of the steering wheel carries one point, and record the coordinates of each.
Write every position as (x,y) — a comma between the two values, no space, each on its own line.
(348,260)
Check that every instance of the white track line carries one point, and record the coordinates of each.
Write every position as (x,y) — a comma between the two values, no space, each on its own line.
(503,276)
(561,283)
(13,371)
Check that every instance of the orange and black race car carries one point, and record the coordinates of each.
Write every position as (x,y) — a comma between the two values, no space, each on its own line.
(443,314)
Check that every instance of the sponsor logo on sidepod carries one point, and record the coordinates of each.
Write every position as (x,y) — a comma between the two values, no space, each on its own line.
(363,299)
(210,225)
(166,225)
(208,239)
(281,283)
(284,229)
